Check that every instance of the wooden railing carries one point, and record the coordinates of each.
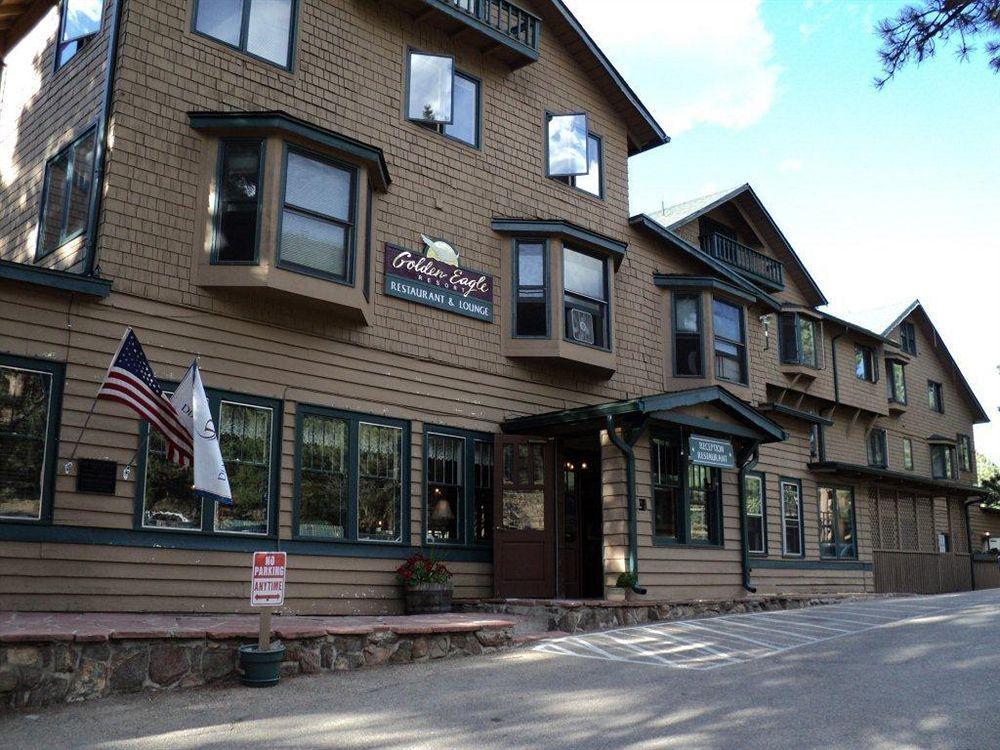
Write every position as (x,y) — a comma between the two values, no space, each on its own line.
(746,259)
(503,16)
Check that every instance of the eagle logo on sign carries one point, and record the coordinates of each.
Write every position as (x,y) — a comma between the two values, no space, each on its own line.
(440,250)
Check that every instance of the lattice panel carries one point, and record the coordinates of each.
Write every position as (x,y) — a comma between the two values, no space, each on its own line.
(907,509)
(873,517)
(926,535)
(959,538)
(888,520)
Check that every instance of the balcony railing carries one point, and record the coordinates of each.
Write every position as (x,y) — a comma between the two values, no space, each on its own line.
(504,28)
(745,259)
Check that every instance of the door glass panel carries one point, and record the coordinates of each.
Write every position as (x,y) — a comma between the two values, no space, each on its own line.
(538,463)
(524,510)
(508,464)
(523,477)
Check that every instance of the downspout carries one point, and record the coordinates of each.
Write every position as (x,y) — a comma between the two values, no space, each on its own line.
(752,457)
(100,159)
(833,362)
(627,449)
(968,537)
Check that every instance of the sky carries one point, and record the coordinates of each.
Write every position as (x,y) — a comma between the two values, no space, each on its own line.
(886,196)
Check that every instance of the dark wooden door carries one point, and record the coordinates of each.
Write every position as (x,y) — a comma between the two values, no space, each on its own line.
(524,513)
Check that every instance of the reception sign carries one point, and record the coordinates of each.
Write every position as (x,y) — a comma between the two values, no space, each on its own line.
(426,280)
(709,451)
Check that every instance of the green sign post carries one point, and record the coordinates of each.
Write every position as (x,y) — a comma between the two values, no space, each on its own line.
(709,451)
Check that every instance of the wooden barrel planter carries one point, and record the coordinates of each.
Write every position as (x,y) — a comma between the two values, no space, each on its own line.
(427,598)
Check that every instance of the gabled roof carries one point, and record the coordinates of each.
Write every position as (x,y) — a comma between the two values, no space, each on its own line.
(886,318)
(644,132)
(684,213)
(643,221)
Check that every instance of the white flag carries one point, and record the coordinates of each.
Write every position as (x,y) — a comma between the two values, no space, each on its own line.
(210,478)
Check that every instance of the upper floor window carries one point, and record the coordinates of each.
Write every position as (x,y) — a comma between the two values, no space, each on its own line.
(907,454)
(877,448)
(965,460)
(531,303)
(836,523)
(261,28)
(942,462)
(29,413)
(351,476)
(864,363)
(69,178)
(317,217)
(895,383)
(817,448)
(729,342)
(592,181)
(908,338)
(464,125)
(756,513)
(935,397)
(798,340)
(238,201)
(430,88)
(687,335)
(249,440)
(79,22)
(585,298)
(566,145)
(791,517)
(459,487)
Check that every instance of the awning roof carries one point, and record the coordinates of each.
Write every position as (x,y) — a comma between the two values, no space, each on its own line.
(940,486)
(752,424)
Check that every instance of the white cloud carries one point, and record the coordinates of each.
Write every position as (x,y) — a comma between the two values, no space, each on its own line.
(692,63)
(790,166)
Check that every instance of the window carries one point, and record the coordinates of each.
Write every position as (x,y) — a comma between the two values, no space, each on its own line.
(458,501)
(591,182)
(730,344)
(864,364)
(817,445)
(317,218)
(877,448)
(687,335)
(935,398)
(836,523)
(908,338)
(687,498)
(430,90)
(567,152)
(29,412)
(238,200)
(756,513)
(907,454)
(896,381)
(944,542)
(791,517)
(79,22)
(799,341)
(942,462)
(531,306)
(69,177)
(464,126)
(249,441)
(585,298)
(261,28)
(965,461)
(351,477)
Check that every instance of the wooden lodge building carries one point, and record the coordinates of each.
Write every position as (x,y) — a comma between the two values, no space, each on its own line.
(396,234)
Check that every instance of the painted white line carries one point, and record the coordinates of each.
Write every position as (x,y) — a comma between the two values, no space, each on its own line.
(796,623)
(726,652)
(772,629)
(599,651)
(638,649)
(827,618)
(857,613)
(730,635)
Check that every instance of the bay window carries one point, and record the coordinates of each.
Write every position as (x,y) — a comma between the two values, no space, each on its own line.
(351,477)
(895,381)
(585,298)
(837,538)
(799,340)
(791,517)
(531,303)
(261,28)
(687,335)
(458,497)
(729,341)
(238,201)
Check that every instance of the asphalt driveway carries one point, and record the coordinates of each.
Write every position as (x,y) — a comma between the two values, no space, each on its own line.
(923,672)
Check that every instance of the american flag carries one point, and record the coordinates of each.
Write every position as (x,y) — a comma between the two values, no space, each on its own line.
(130,381)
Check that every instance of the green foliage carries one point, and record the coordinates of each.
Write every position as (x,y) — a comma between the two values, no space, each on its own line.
(989,479)
(627,581)
(421,569)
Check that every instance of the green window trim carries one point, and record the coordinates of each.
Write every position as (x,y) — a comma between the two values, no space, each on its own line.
(69,151)
(966,455)
(878,448)
(786,519)
(443,128)
(895,381)
(908,337)
(681,490)
(56,372)
(241,45)
(208,509)
(722,344)
(865,367)
(68,46)
(528,294)
(843,549)
(467,507)
(800,340)
(761,478)
(943,461)
(354,421)
(908,454)
(217,218)
(935,396)
(596,143)
(695,338)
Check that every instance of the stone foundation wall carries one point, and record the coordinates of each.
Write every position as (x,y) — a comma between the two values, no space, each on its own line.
(584,616)
(34,674)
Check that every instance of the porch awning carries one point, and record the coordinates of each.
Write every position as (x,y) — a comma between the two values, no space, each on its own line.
(748,422)
(939,486)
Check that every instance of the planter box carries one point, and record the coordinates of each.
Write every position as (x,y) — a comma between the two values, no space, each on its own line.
(428,598)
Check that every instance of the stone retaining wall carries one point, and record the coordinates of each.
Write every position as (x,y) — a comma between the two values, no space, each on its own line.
(584,616)
(34,674)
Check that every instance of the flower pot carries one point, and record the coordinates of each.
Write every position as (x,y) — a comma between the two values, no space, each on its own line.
(427,598)
(261,668)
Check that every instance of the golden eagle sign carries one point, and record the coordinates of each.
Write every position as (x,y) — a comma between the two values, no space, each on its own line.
(434,278)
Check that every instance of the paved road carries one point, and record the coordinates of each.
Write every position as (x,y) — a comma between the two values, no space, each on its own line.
(914,673)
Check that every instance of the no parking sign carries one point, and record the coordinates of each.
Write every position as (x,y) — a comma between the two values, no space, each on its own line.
(267,585)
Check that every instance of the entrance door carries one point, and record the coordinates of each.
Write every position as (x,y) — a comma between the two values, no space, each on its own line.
(524,509)
(581,563)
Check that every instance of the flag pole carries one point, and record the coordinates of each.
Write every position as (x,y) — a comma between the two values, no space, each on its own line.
(93,406)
